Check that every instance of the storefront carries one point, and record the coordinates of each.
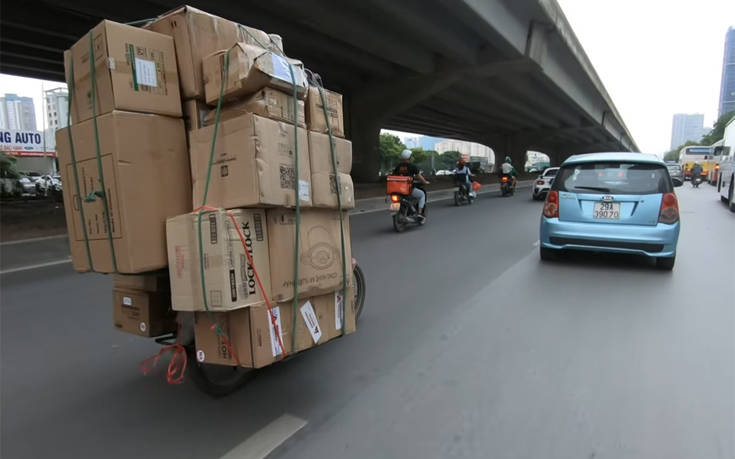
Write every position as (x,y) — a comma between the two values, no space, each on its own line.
(30,151)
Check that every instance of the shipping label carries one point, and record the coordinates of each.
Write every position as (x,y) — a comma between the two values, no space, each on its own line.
(339,309)
(312,324)
(148,70)
(275,343)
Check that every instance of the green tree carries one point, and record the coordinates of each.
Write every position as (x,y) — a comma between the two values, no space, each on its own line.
(718,130)
(449,159)
(390,147)
(7,167)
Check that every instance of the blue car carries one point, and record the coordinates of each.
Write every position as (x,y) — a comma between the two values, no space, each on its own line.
(612,202)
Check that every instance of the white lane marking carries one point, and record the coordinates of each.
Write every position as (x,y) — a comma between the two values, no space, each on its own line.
(536,244)
(267,439)
(32,240)
(37,266)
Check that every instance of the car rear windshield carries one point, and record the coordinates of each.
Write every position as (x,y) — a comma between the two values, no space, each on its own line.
(551,172)
(613,178)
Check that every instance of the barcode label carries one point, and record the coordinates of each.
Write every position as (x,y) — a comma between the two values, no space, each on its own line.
(145,72)
(212,228)
(288,176)
(258,223)
(307,312)
(244,276)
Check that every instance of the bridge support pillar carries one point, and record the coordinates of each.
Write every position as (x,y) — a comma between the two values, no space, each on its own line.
(516,148)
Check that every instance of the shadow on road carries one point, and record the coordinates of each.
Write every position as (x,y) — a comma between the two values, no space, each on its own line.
(607,261)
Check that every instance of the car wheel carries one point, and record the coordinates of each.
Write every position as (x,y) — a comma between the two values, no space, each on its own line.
(730,194)
(665,263)
(547,254)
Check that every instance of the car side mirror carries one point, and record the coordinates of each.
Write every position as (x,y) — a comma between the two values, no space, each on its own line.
(677,182)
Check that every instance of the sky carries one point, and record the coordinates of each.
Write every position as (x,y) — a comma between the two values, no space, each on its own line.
(655,57)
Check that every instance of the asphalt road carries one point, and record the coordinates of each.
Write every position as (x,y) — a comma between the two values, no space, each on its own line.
(469,347)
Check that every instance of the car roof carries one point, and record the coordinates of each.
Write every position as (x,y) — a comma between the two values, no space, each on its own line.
(613,156)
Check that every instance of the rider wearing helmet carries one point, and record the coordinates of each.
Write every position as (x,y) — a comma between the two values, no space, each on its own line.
(508,169)
(462,169)
(408,169)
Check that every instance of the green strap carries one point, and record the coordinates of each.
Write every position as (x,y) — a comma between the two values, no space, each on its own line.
(78,195)
(131,56)
(103,192)
(297,226)
(339,207)
(225,70)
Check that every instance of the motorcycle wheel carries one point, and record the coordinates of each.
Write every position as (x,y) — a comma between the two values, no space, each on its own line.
(456,198)
(398,225)
(216,380)
(360,289)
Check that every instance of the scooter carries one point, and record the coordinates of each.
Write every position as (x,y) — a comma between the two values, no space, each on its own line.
(507,186)
(405,211)
(461,196)
(696,181)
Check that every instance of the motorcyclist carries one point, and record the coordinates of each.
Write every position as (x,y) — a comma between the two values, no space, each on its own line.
(466,181)
(696,171)
(408,169)
(507,169)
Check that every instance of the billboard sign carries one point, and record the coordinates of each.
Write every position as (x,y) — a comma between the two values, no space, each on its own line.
(23,143)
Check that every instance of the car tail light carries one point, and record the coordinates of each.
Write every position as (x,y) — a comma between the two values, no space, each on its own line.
(539,182)
(717,167)
(504,179)
(551,206)
(395,198)
(669,213)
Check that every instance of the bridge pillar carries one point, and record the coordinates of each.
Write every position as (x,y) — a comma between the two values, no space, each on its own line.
(516,148)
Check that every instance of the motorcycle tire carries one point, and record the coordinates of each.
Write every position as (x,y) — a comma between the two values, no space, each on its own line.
(398,225)
(456,198)
(216,380)
(360,289)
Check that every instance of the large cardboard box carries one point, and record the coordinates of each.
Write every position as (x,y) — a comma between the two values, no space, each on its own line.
(323,178)
(229,278)
(315,112)
(143,313)
(320,252)
(146,174)
(195,112)
(135,70)
(198,34)
(252,336)
(250,69)
(268,102)
(254,164)
(150,282)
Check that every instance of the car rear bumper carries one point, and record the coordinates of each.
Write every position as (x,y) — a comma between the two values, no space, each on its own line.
(653,241)
(540,190)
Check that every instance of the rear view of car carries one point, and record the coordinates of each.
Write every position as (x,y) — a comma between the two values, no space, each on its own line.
(612,202)
(543,183)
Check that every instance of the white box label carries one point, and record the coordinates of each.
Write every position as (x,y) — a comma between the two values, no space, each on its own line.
(338,309)
(275,342)
(145,72)
(312,323)
(304,190)
(127,301)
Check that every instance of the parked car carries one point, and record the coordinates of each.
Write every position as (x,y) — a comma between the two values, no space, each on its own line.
(27,186)
(612,202)
(675,171)
(543,183)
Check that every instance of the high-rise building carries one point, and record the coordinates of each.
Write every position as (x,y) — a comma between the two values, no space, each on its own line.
(18,113)
(727,85)
(687,127)
(56,108)
(471,149)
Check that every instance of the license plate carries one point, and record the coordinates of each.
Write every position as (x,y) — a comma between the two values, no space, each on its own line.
(607,210)
(395,206)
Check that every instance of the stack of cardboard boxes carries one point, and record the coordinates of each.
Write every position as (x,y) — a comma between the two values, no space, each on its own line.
(155,186)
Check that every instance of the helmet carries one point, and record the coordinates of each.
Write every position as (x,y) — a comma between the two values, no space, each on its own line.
(460,162)
(507,159)
(405,154)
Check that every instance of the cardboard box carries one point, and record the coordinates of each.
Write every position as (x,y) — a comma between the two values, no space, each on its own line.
(268,102)
(315,112)
(253,164)
(147,180)
(253,338)
(323,181)
(135,70)
(143,313)
(229,278)
(250,69)
(198,34)
(320,252)
(152,282)
(195,112)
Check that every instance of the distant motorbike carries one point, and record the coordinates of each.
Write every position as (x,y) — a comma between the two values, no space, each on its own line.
(507,186)
(461,196)
(696,181)
(405,211)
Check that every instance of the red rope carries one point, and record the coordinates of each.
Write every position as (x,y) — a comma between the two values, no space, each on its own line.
(176,367)
(260,283)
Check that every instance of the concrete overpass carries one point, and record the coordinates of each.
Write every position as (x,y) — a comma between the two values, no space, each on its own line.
(510,74)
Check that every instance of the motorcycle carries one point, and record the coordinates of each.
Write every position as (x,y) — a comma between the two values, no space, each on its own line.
(507,186)
(221,380)
(696,181)
(461,196)
(405,210)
